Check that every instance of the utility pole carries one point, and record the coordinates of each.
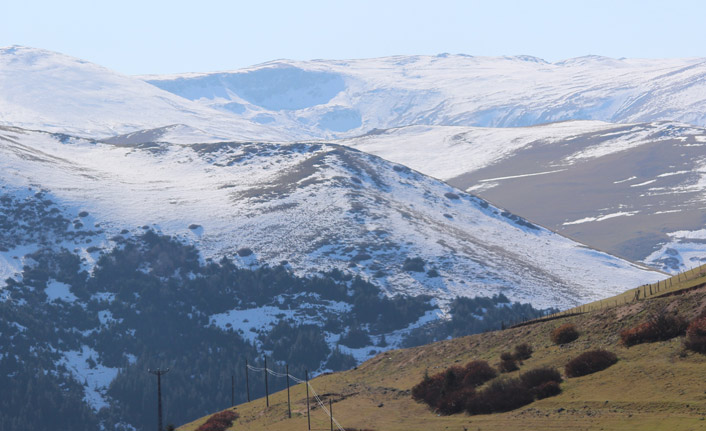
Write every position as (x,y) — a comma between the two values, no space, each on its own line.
(289,404)
(232,390)
(247,379)
(159,373)
(267,389)
(330,410)
(308,416)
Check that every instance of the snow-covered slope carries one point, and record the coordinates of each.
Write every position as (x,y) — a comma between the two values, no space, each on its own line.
(345,98)
(320,207)
(635,190)
(49,91)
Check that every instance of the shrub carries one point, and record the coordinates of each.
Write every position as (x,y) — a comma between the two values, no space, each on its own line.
(428,390)
(455,389)
(477,373)
(501,396)
(454,401)
(696,335)
(590,362)
(508,365)
(546,390)
(565,333)
(538,376)
(219,422)
(659,327)
(448,391)
(523,352)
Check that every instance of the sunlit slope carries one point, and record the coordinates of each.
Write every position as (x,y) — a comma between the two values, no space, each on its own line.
(656,386)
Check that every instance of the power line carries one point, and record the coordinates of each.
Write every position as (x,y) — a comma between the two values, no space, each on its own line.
(159,373)
(308,386)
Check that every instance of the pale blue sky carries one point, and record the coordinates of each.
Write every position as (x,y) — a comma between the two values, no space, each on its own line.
(136,37)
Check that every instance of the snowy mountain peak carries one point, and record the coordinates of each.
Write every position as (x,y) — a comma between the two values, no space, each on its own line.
(44,90)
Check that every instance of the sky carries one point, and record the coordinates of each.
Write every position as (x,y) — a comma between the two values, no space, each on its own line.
(155,37)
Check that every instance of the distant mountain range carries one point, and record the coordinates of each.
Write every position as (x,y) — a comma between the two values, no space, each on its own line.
(341,98)
(424,112)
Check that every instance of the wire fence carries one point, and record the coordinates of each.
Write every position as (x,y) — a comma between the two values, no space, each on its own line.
(682,282)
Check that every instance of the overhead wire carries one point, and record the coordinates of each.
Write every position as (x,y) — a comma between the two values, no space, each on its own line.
(297,380)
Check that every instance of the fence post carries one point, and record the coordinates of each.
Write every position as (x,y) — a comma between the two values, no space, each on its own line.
(308,416)
(330,410)
(267,389)
(247,379)
(289,403)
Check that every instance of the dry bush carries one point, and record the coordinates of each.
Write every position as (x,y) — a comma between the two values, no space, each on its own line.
(453,390)
(501,396)
(546,390)
(428,390)
(220,421)
(454,402)
(523,352)
(508,365)
(590,362)
(565,333)
(538,376)
(659,327)
(477,373)
(448,391)
(696,335)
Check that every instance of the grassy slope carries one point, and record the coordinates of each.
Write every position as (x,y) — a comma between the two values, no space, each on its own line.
(653,386)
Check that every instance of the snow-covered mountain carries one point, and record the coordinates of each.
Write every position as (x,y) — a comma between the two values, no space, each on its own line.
(330,98)
(635,190)
(45,90)
(319,207)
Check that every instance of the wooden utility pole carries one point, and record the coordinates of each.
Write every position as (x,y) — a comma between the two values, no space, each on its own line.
(330,410)
(159,373)
(308,416)
(232,390)
(267,390)
(247,380)
(289,403)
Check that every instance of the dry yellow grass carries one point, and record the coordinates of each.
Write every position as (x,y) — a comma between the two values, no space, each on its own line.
(656,386)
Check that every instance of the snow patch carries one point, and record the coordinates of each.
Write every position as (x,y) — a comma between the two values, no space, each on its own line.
(59,291)
(95,377)
(602,217)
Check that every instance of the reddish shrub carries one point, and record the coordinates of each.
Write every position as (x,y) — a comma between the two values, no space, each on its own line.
(696,335)
(220,421)
(538,376)
(477,373)
(501,396)
(508,365)
(523,352)
(454,402)
(565,333)
(590,362)
(428,390)
(546,390)
(660,327)
(447,392)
